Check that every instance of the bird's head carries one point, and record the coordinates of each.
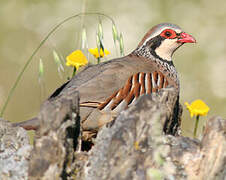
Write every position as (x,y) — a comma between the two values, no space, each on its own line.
(162,41)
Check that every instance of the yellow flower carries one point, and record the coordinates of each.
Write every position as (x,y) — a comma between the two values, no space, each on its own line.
(197,108)
(76,59)
(136,145)
(97,54)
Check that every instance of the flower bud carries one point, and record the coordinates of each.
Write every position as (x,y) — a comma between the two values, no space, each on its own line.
(114,32)
(121,45)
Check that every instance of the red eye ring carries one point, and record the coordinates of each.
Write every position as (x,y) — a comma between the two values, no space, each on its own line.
(168,34)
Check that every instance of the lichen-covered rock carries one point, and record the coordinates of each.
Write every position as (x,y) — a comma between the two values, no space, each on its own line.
(14,152)
(56,139)
(134,147)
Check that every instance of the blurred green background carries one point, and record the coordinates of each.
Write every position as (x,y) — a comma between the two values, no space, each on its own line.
(24,23)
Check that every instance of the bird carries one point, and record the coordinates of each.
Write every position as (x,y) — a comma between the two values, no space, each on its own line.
(107,88)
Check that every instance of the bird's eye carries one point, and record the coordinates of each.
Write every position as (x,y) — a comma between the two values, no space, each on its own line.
(168,34)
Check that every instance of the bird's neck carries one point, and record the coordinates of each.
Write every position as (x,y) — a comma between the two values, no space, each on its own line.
(166,65)
(152,55)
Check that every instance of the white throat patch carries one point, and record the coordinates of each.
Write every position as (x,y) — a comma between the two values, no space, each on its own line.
(167,48)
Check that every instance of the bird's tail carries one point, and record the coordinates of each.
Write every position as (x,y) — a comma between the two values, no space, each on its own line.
(31,124)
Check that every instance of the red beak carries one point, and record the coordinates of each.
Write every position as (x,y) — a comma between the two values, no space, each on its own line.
(186,38)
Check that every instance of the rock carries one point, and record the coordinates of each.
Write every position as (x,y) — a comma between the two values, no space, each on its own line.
(56,139)
(14,152)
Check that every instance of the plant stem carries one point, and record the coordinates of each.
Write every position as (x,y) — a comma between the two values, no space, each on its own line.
(36,50)
(196,126)
(98,60)
(74,72)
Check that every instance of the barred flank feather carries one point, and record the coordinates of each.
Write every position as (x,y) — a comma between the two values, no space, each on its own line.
(137,85)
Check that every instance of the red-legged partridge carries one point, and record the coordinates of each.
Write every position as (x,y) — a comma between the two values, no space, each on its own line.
(110,87)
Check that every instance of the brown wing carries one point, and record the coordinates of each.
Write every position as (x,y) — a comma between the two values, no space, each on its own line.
(96,83)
